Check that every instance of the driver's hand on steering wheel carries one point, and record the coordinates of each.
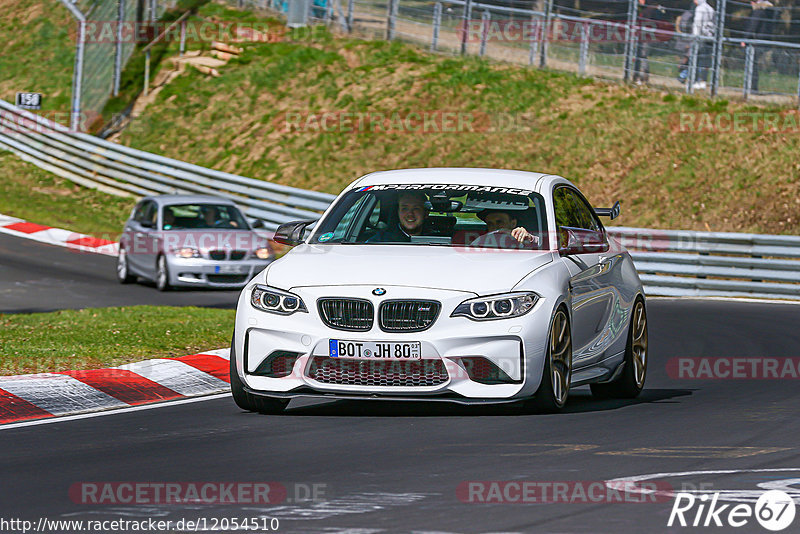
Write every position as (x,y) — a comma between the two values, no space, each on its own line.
(522,235)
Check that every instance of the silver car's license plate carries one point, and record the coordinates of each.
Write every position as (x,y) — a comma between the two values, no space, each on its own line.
(231,269)
(384,350)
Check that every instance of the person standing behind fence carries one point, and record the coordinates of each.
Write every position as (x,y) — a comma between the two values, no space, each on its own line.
(759,25)
(649,16)
(703,26)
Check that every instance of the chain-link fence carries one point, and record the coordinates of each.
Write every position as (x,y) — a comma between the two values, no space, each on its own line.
(108,31)
(725,47)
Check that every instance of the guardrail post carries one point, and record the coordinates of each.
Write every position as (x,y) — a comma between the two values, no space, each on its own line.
(437,23)
(183,37)
(749,59)
(350,16)
(118,46)
(718,39)
(391,15)
(486,17)
(536,24)
(77,78)
(548,21)
(692,66)
(630,32)
(798,91)
(146,72)
(465,25)
(584,51)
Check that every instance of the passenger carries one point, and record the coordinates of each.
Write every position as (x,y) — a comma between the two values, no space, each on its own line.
(411,212)
(504,231)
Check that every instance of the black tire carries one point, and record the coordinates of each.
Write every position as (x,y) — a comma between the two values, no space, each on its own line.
(551,397)
(124,275)
(630,383)
(248,402)
(162,274)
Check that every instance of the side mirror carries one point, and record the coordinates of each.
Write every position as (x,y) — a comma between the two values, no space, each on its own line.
(580,241)
(291,233)
(147,224)
(612,212)
(257,223)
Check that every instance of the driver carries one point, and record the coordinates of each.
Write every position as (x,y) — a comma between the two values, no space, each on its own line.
(504,232)
(412,213)
(211,216)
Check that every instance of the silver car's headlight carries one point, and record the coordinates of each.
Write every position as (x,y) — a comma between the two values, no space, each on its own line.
(496,306)
(262,253)
(186,252)
(273,300)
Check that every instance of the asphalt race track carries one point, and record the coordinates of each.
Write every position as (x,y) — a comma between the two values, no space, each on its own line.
(397,467)
(35,277)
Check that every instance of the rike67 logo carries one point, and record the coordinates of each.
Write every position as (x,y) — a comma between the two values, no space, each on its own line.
(774,510)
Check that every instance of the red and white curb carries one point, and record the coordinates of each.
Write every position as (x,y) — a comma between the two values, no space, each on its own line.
(46,395)
(56,236)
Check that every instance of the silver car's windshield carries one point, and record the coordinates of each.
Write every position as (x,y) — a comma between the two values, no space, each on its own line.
(446,215)
(202,216)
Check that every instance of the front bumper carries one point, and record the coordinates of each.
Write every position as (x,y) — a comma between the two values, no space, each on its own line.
(516,346)
(203,272)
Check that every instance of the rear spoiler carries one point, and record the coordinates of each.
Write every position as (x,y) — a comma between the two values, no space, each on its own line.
(612,212)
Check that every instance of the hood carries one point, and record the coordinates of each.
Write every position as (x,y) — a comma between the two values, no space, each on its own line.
(454,268)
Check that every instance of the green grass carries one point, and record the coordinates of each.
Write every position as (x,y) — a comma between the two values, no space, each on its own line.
(38,53)
(103,337)
(30,193)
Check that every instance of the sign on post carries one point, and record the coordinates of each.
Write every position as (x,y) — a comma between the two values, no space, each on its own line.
(29,100)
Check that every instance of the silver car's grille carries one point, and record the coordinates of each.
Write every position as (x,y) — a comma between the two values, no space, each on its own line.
(220,255)
(414,373)
(408,315)
(346,314)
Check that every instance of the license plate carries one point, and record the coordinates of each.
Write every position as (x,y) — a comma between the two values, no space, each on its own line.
(230,269)
(341,348)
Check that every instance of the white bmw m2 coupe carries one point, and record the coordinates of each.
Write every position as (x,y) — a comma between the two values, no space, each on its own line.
(471,286)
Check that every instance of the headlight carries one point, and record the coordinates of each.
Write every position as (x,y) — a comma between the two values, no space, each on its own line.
(186,253)
(496,306)
(273,300)
(263,253)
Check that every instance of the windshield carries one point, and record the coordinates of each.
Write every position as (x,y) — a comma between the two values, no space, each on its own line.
(446,215)
(194,216)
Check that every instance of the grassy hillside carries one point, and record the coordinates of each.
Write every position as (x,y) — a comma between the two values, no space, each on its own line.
(38,52)
(615,142)
(30,193)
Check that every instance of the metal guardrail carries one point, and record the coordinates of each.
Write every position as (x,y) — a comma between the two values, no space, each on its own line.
(121,170)
(686,263)
(677,263)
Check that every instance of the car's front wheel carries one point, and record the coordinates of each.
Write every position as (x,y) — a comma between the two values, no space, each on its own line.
(124,275)
(162,274)
(630,382)
(557,374)
(245,400)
